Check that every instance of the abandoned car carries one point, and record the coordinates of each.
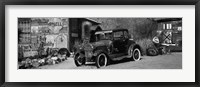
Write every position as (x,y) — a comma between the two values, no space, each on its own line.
(105,46)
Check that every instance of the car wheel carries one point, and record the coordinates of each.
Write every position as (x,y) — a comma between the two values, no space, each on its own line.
(79,60)
(136,55)
(101,60)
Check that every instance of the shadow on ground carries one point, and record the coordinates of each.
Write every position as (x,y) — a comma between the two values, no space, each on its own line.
(115,62)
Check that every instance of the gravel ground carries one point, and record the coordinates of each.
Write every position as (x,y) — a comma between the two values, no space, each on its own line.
(168,61)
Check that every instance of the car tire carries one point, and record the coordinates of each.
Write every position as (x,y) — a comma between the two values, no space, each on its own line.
(79,60)
(63,51)
(101,60)
(136,54)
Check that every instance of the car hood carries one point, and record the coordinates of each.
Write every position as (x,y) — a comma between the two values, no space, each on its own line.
(102,43)
(90,46)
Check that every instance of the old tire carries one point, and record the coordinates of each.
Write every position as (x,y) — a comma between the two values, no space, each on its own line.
(101,60)
(79,60)
(152,52)
(64,51)
(136,55)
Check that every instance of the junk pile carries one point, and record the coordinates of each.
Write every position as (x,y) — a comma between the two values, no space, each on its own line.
(157,48)
(51,59)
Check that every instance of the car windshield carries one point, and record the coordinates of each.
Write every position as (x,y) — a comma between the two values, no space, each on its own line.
(103,36)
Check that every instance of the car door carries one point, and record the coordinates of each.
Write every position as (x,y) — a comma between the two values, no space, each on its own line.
(124,42)
(118,42)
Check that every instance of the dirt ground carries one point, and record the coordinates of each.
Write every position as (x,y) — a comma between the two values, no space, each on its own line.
(168,61)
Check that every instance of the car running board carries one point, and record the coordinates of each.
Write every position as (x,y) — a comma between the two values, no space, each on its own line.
(121,57)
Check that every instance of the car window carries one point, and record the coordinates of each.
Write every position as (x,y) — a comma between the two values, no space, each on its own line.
(118,34)
(125,34)
(100,36)
(108,36)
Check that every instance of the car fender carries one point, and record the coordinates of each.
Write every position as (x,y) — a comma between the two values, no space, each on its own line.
(133,45)
(139,47)
(100,49)
(80,52)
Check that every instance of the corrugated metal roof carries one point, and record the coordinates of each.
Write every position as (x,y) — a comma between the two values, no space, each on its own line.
(166,19)
(94,20)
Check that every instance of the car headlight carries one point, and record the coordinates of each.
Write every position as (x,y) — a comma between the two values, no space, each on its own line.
(156,40)
(88,47)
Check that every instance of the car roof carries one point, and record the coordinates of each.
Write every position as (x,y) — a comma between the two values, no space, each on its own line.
(109,31)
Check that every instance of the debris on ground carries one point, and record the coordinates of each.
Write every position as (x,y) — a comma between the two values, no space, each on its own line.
(51,59)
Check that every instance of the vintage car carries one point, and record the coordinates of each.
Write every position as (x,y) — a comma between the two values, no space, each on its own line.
(105,46)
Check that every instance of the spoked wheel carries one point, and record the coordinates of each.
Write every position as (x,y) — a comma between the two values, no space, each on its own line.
(79,60)
(136,55)
(101,60)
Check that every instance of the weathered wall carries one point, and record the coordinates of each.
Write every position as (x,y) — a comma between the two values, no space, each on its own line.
(138,27)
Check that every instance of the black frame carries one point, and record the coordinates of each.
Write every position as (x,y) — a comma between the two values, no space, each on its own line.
(99,2)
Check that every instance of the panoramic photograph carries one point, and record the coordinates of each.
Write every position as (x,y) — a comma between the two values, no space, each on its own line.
(99,43)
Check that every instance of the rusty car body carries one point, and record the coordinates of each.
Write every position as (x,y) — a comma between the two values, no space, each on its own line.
(105,46)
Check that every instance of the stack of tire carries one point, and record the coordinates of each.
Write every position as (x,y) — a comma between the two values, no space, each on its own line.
(63,53)
(153,51)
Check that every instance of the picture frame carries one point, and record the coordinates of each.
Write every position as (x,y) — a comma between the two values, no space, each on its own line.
(99,2)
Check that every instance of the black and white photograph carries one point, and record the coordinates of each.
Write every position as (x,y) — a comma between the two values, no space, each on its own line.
(99,43)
